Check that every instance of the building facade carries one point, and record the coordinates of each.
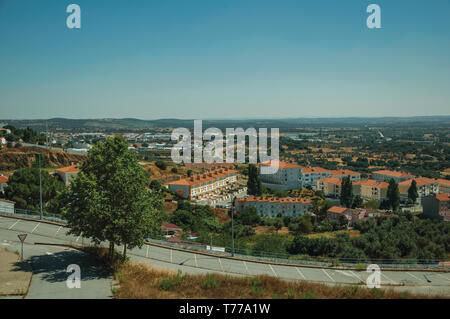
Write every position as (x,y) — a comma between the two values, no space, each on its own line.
(211,182)
(437,206)
(67,173)
(371,189)
(425,187)
(286,178)
(310,175)
(274,206)
(398,177)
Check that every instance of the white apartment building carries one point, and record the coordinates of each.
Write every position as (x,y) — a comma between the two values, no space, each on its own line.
(273,206)
(287,177)
(310,175)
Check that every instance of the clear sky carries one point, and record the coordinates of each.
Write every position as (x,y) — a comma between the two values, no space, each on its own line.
(223,59)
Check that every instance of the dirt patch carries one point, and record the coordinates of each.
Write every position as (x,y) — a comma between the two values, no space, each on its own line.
(15,276)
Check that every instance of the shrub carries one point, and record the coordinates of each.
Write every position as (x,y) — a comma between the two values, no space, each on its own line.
(210,282)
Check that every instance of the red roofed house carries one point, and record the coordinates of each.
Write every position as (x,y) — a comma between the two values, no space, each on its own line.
(3,183)
(272,206)
(437,206)
(353,215)
(67,173)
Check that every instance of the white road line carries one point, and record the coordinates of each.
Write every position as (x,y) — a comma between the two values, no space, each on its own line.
(10,227)
(245,265)
(301,274)
(77,238)
(146,254)
(382,274)
(413,276)
(35,228)
(273,270)
(195,258)
(354,274)
(221,267)
(328,274)
(57,231)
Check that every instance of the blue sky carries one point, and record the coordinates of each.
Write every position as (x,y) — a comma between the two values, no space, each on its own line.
(223,59)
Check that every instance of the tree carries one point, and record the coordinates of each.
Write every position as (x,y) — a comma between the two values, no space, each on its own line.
(412,191)
(249,216)
(346,192)
(254,181)
(278,224)
(357,202)
(305,225)
(393,195)
(23,188)
(161,165)
(109,199)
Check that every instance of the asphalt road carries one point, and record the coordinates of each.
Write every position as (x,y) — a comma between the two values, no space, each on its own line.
(51,261)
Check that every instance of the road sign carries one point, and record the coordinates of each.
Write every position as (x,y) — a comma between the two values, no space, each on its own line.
(22,237)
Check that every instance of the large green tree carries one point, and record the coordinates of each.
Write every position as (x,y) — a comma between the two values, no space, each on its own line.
(109,199)
(254,182)
(393,195)
(23,189)
(412,191)
(346,192)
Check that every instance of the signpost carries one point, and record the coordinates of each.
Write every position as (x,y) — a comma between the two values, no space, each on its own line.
(22,239)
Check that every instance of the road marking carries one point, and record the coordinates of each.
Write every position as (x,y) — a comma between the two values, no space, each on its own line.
(146,254)
(301,274)
(10,227)
(245,264)
(35,228)
(57,231)
(77,238)
(273,270)
(413,276)
(221,267)
(195,258)
(328,274)
(354,274)
(382,274)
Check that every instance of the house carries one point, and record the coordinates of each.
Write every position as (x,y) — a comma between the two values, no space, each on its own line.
(425,187)
(67,173)
(274,206)
(437,206)
(208,183)
(287,176)
(3,183)
(398,177)
(369,189)
(353,215)
(170,229)
(6,206)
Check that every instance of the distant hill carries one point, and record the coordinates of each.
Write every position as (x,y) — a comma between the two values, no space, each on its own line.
(132,124)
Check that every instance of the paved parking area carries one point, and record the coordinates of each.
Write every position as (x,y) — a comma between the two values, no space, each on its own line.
(165,257)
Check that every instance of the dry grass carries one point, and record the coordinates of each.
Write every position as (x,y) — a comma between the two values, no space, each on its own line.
(352,234)
(139,281)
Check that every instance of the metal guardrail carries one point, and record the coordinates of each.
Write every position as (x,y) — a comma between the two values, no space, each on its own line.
(255,255)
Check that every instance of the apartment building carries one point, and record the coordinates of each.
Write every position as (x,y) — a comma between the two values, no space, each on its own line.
(371,189)
(425,187)
(286,178)
(341,173)
(274,206)
(310,175)
(444,185)
(437,206)
(398,177)
(208,183)
(330,186)
(67,173)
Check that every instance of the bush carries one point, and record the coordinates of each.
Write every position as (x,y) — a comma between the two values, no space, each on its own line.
(161,165)
(210,282)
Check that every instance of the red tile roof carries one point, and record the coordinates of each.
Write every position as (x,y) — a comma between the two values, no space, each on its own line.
(315,170)
(337,209)
(205,177)
(372,183)
(170,226)
(443,197)
(420,181)
(281,164)
(293,200)
(3,179)
(343,172)
(331,180)
(67,169)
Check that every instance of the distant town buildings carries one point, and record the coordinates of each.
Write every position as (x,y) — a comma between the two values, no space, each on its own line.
(287,177)
(274,206)
(437,206)
(209,183)
(425,187)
